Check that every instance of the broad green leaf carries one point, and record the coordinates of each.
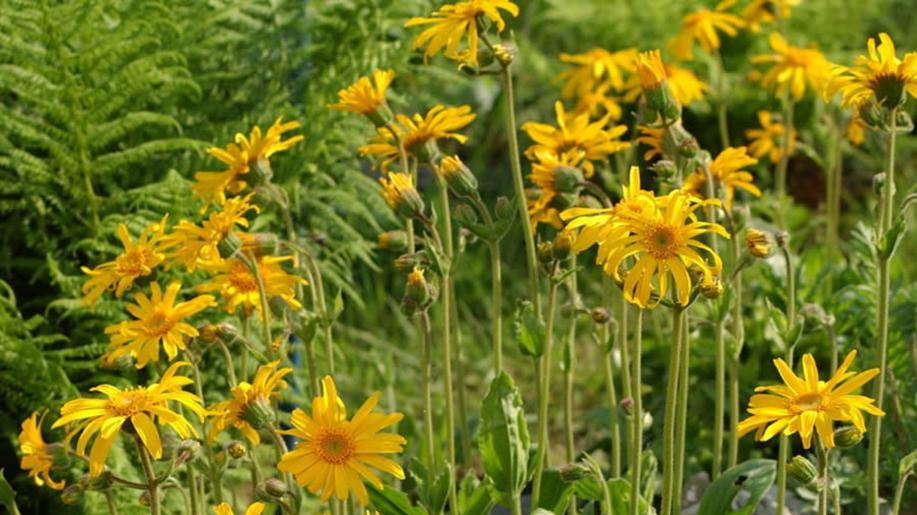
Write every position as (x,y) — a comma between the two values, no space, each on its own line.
(7,494)
(907,463)
(530,330)
(475,497)
(504,438)
(389,501)
(555,492)
(753,476)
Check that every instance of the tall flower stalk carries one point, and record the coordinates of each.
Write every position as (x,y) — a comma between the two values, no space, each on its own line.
(636,445)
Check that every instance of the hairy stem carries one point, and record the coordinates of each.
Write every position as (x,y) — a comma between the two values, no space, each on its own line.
(671,405)
(636,445)
(719,399)
(152,484)
(544,378)
(681,421)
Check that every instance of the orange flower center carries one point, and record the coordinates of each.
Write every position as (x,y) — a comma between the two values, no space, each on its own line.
(159,323)
(806,402)
(334,446)
(128,403)
(136,262)
(662,242)
(242,279)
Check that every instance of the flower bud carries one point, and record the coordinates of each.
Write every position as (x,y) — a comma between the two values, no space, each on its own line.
(600,315)
(711,288)
(562,246)
(562,201)
(847,436)
(235,449)
(664,168)
(573,472)
(72,495)
(783,239)
(627,406)
(568,179)
(758,243)
(400,194)
(60,460)
(170,443)
(258,413)
(208,333)
(103,481)
(504,208)
(230,245)
(259,243)
(458,176)
(259,172)
(464,215)
(878,183)
(393,241)
(802,470)
(504,53)
(418,290)
(545,252)
(274,487)
(407,262)
(188,450)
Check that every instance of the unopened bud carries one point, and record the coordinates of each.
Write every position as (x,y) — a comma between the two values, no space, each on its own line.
(407,262)
(847,436)
(393,241)
(802,470)
(878,183)
(98,483)
(783,239)
(258,413)
(71,495)
(562,246)
(259,243)
(188,450)
(230,245)
(273,487)
(236,449)
(568,179)
(600,315)
(60,460)
(504,208)
(458,176)
(504,53)
(545,252)
(711,288)
(573,472)
(664,168)
(627,406)
(208,333)
(259,172)
(464,215)
(562,201)
(417,287)
(170,444)
(758,243)
(400,194)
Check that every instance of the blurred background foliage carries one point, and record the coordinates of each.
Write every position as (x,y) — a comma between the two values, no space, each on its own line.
(107,107)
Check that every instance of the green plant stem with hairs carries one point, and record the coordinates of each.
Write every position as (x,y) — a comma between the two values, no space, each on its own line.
(426,365)
(825,481)
(884,299)
(671,406)
(152,482)
(543,370)
(784,449)
(496,282)
(113,506)
(325,320)
(252,263)
(738,335)
(719,398)
(612,407)
(569,368)
(833,193)
(682,414)
(195,494)
(213,473)
(636,443)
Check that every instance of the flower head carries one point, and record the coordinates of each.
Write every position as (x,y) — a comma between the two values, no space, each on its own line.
(767,11)
(758,243)
(792,68)
(650,70)
(365,96)
(684,84)
(256,508)
(400,194)
(418,132)
(238,286)
(450,23)
(702,26)
(143,408)
(880,76)
(246,398)
(336,455)
(36,458)
(579,134)
(595,68)
(197,245)
(240,156)
(768,140)
(727,171)
(652,137)
(808,405)
(138,260)
(159,322)
(598,103)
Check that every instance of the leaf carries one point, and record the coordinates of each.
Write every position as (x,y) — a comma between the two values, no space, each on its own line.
(389,501)
(555,492)
(504,438)
(475,497)
(7,495)
(753,476)
(907,464)
(530,330)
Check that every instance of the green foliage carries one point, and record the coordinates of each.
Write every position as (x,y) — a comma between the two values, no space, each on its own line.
(503,438)
(753,476)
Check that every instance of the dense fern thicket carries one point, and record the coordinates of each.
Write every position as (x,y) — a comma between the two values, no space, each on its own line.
(107,107)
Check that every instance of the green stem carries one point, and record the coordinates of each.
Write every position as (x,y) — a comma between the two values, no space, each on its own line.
(496,305)
(784,448)
(681,421)
(875,432)
(214,475)
(833,196)
(519,190)
(465,434)
(738,335)
(192,486)
(152,485)
(570,362)
(671,405)
(544,379)
(265,308)
(427,379)
(447,337)
(109,501)
(230,365)
(613,414)
(719,399)
(823,477)
(636,449)
(899,493)
(323,312)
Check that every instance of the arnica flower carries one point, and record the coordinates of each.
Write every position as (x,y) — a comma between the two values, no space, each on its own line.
(880,76)
(557,178)
(702,26)
(238,286)
(400,195)
(240,157)
(652,137)
(598,103)
(36,457)
(142,408)
(458,176)
(450,23)
(336,455)
(249,403)
(138,260)
(159,322)
(768,140)
(365,96)
(808,405)
(683,84)
(418,132)
(595,68)
(792,68)
(596,142)
(256,508)
(758,243)
(767,11)
(196,245)
(726,171)
(663,241)
(650,70)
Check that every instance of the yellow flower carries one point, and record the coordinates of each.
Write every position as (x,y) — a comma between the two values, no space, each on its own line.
(758,243)
(684,85)
(595,68)
(239,156)
(806,405)
(592,139)
(159,321)
(767,11)
(198,245)
(256,508)
(792,67)
(450,23)
(768,140)
(650,69)
(365,96)
(143,407)
(400,195)
(701,26)
(726,171)
(335,454)
(652,137)
(881,75)
(417,131)
(245,397)
(598,103)
(856,130)
(547,168)
(36,458)
(238,286)
(138,260)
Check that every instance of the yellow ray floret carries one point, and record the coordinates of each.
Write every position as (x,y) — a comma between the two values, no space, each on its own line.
(36,458)
(450,24)
(232,413)
(365,95)
(702,26)
(879,75)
